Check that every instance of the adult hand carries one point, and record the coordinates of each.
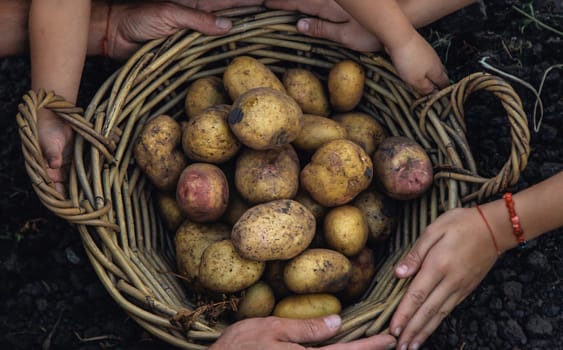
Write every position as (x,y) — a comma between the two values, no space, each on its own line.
(451,257)
(418,64)
(333,23)
(134,23)
(275,333)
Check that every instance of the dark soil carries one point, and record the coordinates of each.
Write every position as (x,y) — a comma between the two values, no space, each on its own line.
(52,299)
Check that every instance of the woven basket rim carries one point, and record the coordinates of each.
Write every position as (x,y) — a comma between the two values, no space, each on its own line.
(110,201)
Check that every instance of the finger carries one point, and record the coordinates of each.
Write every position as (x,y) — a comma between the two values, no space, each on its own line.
(439,77)
(425,86)
(408,265)
(179,17)
(438,305)
(376,342)
(435,321)
(308,330)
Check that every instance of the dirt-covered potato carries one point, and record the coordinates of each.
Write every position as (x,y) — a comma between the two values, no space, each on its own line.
(317,270)
(338,171)
(245,73)
(314,207)
(380,212)
(223,270)
(276,230)
(264,118)
(317,131)
(402,168)
(363,270)
(274,276)
(204,93)
(202,192)
(345,230)
(308,90)
(346,80)
(306,306)
(258,301)
(207,137)
(170,211)
(236,207)
(363,129)
(158,153)
(191,240)
(266,175)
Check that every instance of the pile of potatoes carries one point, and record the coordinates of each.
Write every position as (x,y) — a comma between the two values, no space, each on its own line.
(277,188)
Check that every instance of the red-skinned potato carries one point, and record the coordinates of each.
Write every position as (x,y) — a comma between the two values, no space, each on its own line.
(402,168)
(203,192)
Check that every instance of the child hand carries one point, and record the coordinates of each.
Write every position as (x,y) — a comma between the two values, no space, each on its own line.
(450,259)
(333,23)
(55,138)
(418,64)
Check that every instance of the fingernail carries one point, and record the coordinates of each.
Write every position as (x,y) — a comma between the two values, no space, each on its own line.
(402,269)
(303,25)
(333,321)
(391,346)
(397,331)
(223,23)
(404,347)
(415,346)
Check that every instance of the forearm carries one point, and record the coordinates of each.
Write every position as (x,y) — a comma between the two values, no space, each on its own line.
(58,42)
(423,12)
(13,26)
(538,210)
(383,18)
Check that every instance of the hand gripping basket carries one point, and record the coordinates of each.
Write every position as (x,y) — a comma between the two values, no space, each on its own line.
(110,201)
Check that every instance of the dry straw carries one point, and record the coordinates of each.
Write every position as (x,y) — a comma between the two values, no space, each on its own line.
(110,202)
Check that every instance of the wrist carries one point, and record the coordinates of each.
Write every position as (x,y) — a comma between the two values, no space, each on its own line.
(97,29)
(501,226)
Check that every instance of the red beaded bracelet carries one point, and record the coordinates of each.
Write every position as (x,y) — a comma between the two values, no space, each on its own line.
(515,220)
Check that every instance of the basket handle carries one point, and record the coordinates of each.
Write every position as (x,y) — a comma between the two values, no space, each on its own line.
(457,94)
(33,155)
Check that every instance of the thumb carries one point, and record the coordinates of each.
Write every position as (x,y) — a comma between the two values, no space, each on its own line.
(309,330)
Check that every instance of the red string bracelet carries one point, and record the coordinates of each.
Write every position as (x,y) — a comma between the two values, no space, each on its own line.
(489,229)
(105,39)
(515,220)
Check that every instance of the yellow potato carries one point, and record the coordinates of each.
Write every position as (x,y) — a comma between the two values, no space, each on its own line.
(317,131)
(191,240)
(264,118)
(276,230)
(314,207)
(207,137)
(257,301)
(363,129)
(307,306)
(245,73)
(170,211)
(157,152)
(317,270)
(266,175)
(345,230)
(204,93)
(338,171)
(346,80)
(380,212)
(223,270)
(305,88)
(363,270)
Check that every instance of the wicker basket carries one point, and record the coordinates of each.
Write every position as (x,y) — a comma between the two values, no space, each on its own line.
(110,201)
